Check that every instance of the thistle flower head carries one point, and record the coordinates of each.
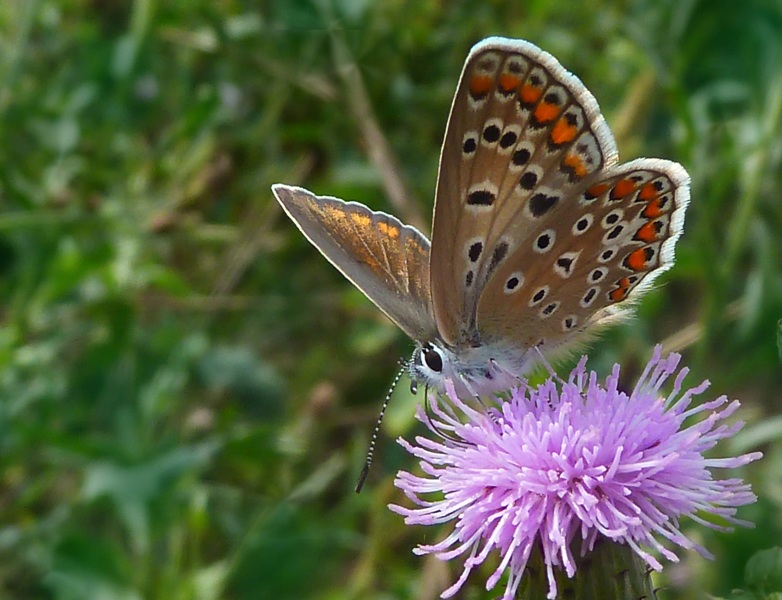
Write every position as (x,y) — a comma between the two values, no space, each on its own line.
(581,460)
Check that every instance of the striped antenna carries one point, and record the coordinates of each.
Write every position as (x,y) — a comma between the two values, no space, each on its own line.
(373,442)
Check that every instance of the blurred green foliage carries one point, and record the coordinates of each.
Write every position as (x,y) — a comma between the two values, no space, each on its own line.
(187,389)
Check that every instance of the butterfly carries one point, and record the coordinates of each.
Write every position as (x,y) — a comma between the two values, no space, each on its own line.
(539,235)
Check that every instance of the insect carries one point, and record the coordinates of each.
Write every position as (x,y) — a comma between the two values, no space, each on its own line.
(539,235)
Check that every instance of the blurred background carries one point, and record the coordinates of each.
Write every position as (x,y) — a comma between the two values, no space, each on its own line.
(187,389)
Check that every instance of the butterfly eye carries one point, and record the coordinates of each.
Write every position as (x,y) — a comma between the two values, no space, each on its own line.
(432,358)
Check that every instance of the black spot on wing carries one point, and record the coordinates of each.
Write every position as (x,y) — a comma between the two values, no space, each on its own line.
(481,198)
(475,251)
(500,251)
(540,204)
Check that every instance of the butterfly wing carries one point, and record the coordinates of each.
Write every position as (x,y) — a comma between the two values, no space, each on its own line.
(385,259)
(523,135)
(538,233)
(590,255)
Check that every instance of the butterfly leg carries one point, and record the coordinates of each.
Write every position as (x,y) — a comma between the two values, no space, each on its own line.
(547,364)
(507,374)
(472,392)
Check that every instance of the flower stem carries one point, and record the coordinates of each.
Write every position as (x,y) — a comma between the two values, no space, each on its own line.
(611,571)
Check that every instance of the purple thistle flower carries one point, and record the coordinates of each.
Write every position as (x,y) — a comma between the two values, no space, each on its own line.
(585,461)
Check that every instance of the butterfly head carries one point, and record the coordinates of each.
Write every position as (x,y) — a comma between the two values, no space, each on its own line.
(473,371)
(430,365)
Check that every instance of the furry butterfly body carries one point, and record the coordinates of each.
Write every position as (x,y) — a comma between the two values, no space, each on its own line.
(539,235)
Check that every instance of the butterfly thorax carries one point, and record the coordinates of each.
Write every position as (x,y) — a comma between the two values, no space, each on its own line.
(474,370)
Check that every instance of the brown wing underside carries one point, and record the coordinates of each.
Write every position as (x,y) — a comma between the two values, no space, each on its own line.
(538,233)
(523,134)
(385,259)
(590,258)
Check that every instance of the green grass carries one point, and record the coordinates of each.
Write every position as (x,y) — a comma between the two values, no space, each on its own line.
(187,388)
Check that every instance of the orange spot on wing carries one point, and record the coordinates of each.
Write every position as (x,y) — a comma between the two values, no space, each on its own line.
(546,112)
(647,232)
(364,256)
(563,131)
(636,260)
(413,246)
(530,94)
(481,85)
(391,231)
(333,213)
(508,82)
(574,162)
(361,220)
(622,188)
(652,210)
(647,192)
(370,261)
(620,292)
(597,190)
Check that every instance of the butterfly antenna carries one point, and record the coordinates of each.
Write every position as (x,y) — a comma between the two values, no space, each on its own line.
(373,441)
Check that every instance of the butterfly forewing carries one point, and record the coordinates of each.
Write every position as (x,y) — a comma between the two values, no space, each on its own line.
(523,135)
(385,259)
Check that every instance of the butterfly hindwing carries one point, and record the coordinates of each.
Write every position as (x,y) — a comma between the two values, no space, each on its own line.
(523,135)
(385,259)
(599,249)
